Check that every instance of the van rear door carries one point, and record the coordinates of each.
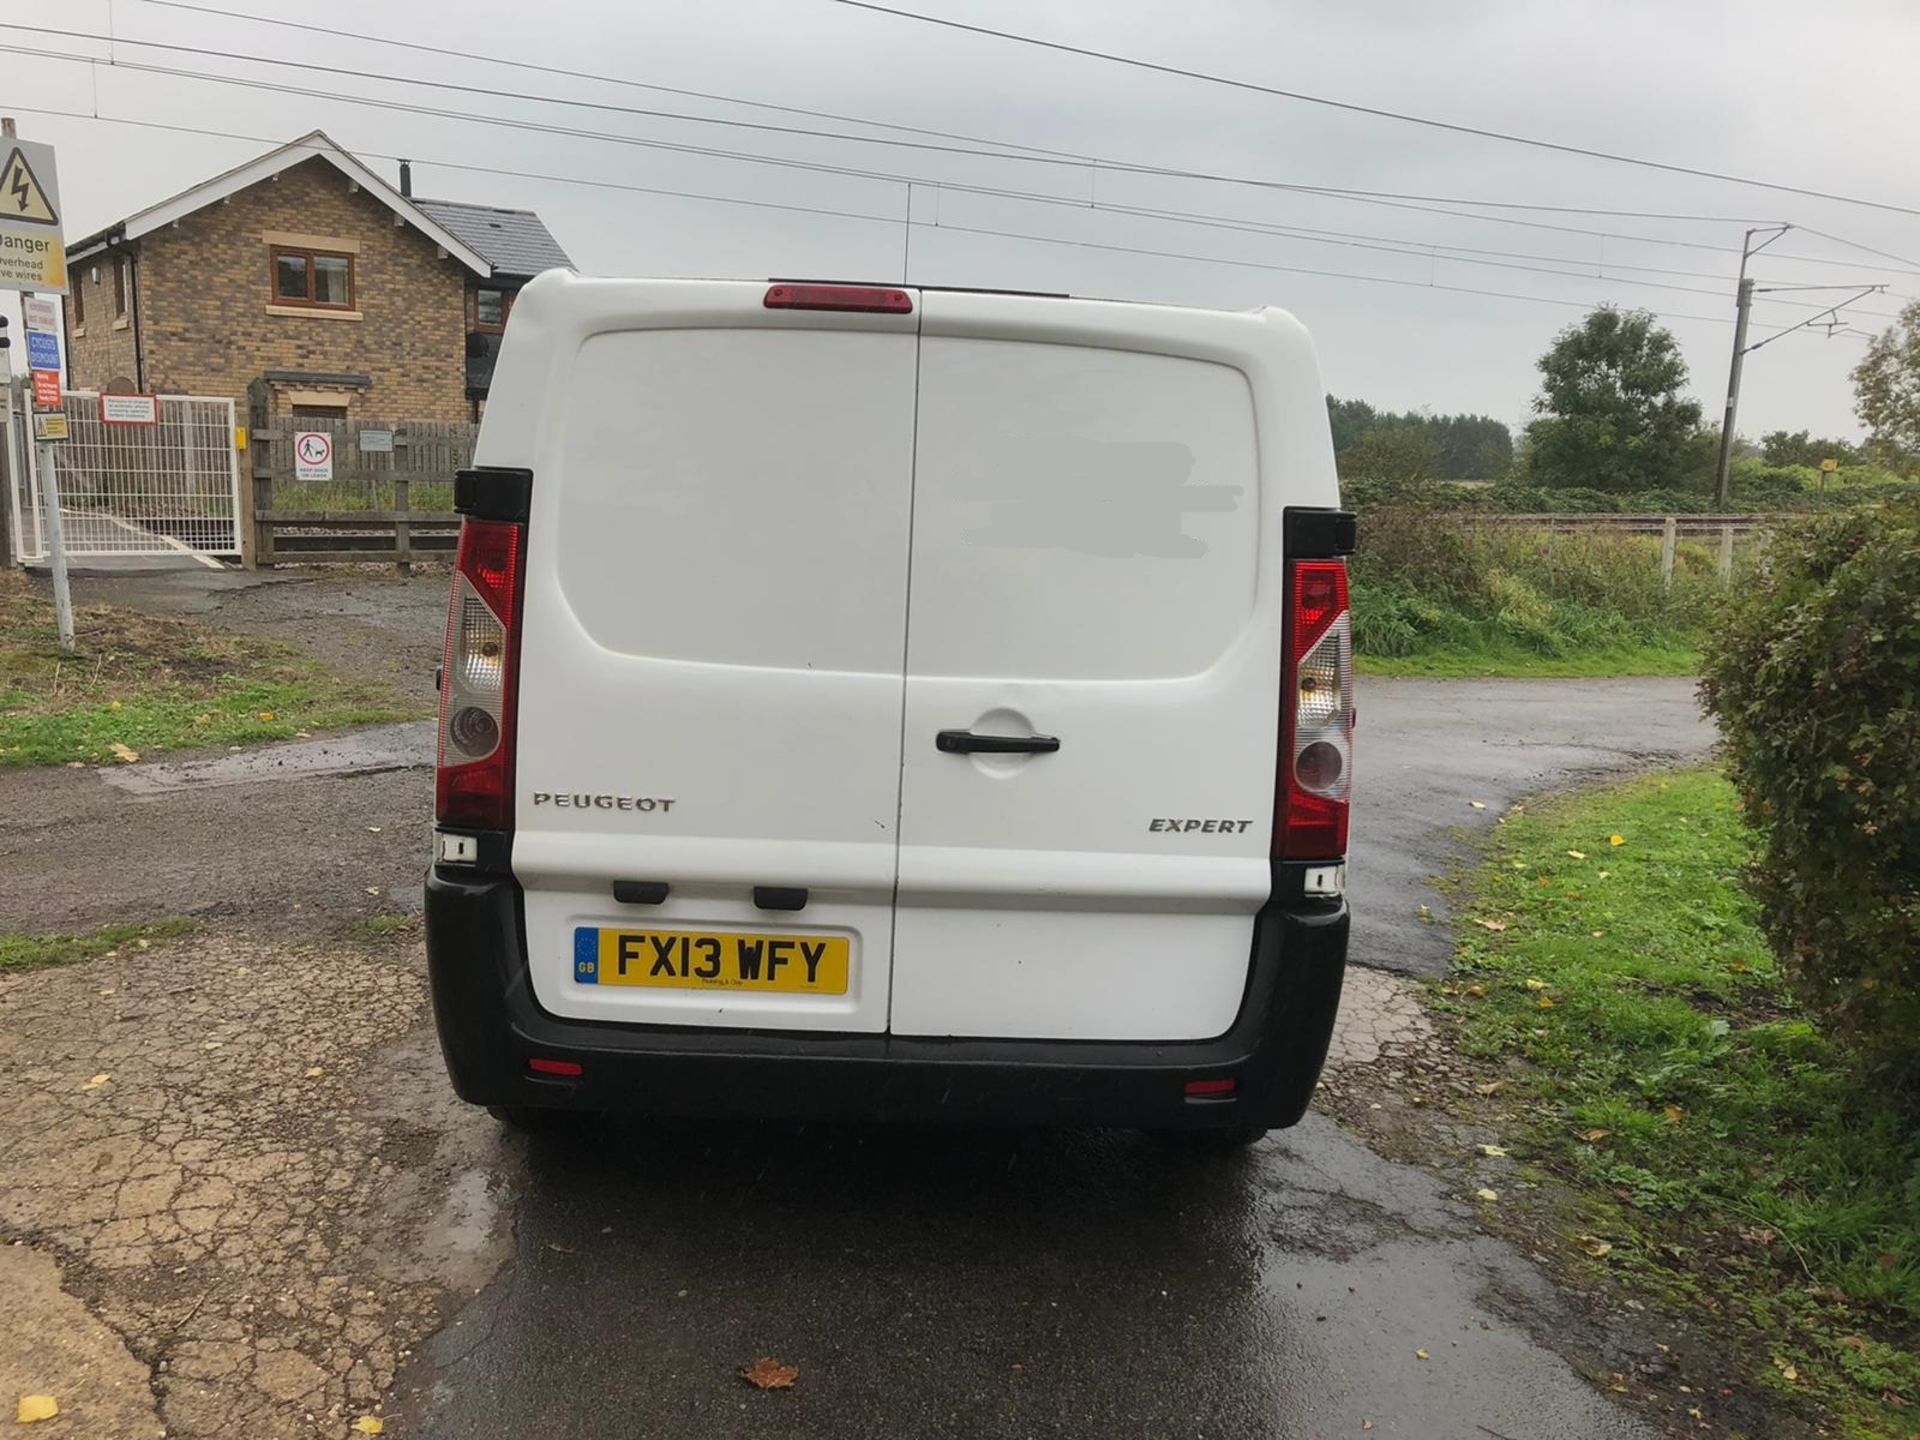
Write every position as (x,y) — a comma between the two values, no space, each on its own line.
(711,662)
(1093,663)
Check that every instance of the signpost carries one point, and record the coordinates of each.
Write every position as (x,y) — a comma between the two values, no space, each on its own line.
(33,256)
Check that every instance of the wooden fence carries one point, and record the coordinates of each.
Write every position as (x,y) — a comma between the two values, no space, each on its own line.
(1670,528)
(389,496)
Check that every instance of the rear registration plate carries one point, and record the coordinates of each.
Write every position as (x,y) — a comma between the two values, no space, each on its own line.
(711,960)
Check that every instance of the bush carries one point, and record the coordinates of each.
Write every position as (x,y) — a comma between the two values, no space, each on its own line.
(1814,674)
(1427,582)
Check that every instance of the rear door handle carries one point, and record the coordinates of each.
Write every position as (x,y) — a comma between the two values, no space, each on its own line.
(965,742)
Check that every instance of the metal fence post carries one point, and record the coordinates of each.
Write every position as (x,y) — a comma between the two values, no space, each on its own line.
(1669,536)
(402,527)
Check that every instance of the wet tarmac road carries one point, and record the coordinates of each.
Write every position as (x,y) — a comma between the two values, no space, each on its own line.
(960,1283)
(931,1283)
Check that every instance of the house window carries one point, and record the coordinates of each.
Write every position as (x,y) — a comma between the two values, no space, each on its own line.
(312,277)
(120,268)
(490,309)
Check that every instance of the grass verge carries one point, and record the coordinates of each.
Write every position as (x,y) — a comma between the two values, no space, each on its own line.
(147,683)
(20,953)
(1492,659)
(1719,1152)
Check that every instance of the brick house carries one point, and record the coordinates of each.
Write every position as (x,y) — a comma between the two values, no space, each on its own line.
(306,276)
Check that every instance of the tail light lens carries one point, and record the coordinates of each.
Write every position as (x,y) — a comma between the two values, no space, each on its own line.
(1316,753)
(477,680)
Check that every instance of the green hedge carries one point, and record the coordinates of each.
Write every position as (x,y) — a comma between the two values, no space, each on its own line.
(1814,674)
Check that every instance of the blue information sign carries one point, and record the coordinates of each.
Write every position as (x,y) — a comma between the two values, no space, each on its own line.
(43,350)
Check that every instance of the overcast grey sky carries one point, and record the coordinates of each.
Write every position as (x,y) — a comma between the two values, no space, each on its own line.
(1812,95)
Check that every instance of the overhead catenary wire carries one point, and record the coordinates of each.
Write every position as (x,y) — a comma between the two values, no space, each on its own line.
(888,219)
(1379,112)
(1001,150)
(1386,244)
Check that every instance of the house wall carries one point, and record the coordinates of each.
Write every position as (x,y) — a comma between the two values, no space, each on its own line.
(210,324)
(102,349)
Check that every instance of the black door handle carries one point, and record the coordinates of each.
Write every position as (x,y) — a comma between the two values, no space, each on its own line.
(965,742)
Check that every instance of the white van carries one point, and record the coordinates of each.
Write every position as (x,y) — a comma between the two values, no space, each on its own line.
(894,703)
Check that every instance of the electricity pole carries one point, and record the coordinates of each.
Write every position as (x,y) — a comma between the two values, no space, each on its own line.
(1743,308)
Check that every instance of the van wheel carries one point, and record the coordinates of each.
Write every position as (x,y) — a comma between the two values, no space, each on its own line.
(533,1119)
(1216,1142)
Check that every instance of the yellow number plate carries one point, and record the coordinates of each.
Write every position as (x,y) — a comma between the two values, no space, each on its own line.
(712,960)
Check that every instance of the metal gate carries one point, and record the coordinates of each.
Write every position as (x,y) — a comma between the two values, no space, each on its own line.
(167,488)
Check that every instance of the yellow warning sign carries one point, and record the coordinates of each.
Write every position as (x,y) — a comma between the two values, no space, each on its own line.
(32,254)
(22,197)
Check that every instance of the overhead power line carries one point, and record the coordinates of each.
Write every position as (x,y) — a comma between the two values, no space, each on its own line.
(1388,199)
(1073,156)
(890,220)
(1377,112)
(1388,245)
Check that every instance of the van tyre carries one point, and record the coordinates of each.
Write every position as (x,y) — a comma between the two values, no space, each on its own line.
(533,1119)
(1217,1142)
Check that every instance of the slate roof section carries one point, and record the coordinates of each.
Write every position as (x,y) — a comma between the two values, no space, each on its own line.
(515,241)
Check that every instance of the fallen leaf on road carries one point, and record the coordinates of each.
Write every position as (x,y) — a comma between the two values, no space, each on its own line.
(1478,804)
(1498,1152)
(1492,1087)
(1592,1135)
(1786,1368)
(36,1407)
(315,1072)
(1675,1114)
(1475,990)
(268,715)
(1578,854)
(96,1082)
(373,889)
(766,1373)
(370,1425)
(1485,1194)
(1547,1002)
(1596,1247)
(1536,984)
(123,753)
(1495,925)
(1421,1355)
(1854,1342)
(303,734)
(1598,933)
(76,764)
(1366,1424)
(373,829)
(1616,839)
(211,1045)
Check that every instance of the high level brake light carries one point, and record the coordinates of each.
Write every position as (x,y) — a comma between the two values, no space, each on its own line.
(1316,754)
(871,299)
(474,781)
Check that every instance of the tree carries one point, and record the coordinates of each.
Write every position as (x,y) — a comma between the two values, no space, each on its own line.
(1465,447)
(1886,390)
(1398,452)
(1781,447)
(1613,416)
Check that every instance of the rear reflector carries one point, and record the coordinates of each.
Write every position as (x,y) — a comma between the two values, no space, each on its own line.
(872,299)
(540,1065)
(1212,1087)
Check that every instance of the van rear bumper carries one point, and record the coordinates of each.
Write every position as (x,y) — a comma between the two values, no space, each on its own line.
(491,1027)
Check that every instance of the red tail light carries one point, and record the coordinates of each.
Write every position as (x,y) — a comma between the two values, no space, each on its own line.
(1316,748)
(874,299)
(479,678)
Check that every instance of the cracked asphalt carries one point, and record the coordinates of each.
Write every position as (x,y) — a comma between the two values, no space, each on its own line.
(278,1252)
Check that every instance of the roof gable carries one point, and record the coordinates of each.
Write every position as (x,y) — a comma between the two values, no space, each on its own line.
(313,146)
